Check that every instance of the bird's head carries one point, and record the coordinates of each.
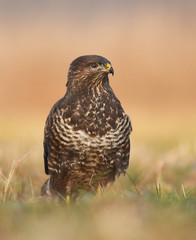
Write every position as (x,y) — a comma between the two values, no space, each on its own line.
(89,70)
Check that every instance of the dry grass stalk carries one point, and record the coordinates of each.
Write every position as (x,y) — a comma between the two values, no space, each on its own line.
(7,188)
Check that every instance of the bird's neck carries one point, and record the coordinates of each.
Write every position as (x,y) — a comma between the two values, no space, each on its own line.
(98,87)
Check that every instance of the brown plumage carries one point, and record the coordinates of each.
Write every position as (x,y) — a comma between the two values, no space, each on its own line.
(86,137)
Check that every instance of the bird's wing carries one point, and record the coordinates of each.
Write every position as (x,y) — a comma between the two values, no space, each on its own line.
(124,147)
(46,156)
(49,138)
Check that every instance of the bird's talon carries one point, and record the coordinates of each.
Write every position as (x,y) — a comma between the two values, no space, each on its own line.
(67,199)
(99,191)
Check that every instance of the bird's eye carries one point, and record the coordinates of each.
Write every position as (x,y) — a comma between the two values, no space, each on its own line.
(94,65)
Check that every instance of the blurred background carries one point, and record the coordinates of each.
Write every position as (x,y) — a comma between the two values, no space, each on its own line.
(151,44)
(152,47)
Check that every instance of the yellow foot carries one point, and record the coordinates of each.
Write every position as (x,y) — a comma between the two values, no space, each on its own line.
(67,199)
(99,191)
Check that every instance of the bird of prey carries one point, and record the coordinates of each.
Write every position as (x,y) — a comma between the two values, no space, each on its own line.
(86,136)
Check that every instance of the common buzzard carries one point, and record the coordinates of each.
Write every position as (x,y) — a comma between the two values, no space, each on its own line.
(86,136)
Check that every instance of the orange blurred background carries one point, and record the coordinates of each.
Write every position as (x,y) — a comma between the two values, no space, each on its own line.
(152,47)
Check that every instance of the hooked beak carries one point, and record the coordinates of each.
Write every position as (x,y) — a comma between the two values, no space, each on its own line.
(109,69)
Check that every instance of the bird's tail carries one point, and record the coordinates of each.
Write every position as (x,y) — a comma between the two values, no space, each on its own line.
(45,190)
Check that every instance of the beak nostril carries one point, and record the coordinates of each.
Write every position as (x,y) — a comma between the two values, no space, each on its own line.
(108,66)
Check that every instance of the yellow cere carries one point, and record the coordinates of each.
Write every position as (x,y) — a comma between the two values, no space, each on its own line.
(108,66)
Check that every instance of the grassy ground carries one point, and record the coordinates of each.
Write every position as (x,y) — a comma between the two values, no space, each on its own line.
(155,200)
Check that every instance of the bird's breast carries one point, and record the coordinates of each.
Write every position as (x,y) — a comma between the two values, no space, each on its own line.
(94,129)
